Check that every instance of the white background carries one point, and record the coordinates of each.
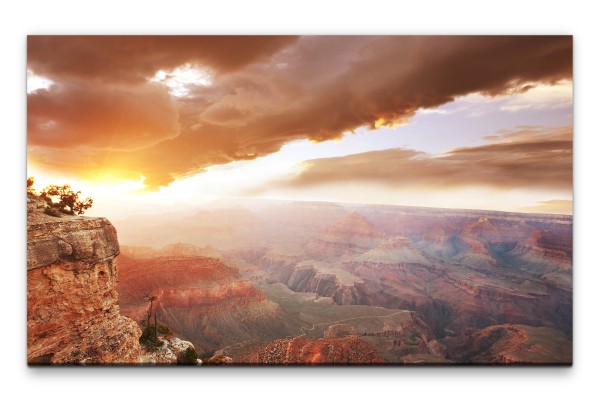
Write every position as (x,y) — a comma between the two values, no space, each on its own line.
(292,17)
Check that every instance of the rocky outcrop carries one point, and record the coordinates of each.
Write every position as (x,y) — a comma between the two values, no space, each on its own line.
(73,312)
(219,359)
(329,248)
(355,225)
(307,278)
(395,250)
(401,342)
(537,250)
(349,350)
(70,239)
(511,344)
(352,234)
(171,352)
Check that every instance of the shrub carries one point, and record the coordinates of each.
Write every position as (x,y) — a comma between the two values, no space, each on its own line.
(52,211)
(30,189)
(163,329)
(149,340)
(188,357)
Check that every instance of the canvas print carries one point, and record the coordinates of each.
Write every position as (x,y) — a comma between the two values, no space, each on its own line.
(299,200)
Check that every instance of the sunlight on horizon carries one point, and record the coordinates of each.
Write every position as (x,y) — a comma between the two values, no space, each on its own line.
(240,179)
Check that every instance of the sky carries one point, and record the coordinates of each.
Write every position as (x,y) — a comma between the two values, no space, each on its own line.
(139,122)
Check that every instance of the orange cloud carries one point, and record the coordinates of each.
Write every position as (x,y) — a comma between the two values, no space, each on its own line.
(265,91)
(102,117)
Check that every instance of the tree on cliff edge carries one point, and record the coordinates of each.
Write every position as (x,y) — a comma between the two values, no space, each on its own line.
(65,199)
(30,189)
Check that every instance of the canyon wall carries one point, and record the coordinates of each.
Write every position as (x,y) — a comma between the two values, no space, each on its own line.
(290,270)
(199,298)
(73,312)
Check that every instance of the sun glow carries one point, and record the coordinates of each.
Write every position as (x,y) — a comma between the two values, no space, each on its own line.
(97,186)
(396,122)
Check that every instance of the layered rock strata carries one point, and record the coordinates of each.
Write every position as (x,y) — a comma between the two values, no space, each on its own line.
(511,344)
(72,305)
(199,298)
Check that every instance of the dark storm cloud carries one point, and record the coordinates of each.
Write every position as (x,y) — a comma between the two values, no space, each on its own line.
(264,92)
(134,59)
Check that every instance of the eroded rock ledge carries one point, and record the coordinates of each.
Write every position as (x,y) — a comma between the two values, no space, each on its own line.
(74,239)
(73,313)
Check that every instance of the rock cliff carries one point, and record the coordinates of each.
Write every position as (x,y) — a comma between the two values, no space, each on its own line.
(72,306)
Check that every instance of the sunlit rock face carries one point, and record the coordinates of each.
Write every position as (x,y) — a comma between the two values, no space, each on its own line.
(73,312)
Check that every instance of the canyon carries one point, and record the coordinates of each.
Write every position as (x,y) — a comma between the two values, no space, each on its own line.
(288,283)
(249,280)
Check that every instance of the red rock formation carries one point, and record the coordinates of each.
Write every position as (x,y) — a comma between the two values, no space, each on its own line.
(72,306)
(176,250)
(170,352)
(181,282)
(456,268)
(308,279)
(300,351)
(559,238)
(200,298)
(351,235)
(544,247)
(511,344)
(456,297)
(329,248)
(355,224)
(396,250)
(219,360)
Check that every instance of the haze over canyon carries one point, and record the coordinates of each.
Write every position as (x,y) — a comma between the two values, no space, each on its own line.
(315,282)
